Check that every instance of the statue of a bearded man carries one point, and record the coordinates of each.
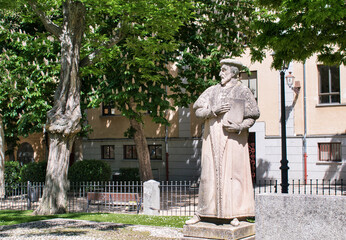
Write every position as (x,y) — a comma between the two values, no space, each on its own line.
(229,109)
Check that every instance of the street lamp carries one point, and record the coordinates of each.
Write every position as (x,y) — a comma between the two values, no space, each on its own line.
(284,162)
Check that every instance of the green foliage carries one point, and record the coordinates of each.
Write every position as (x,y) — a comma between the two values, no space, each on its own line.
(129,174)
(89,170)
(28,73)
(218,29)
(130,132)
(12,176)
(296,30)
(134,73)
(34,172)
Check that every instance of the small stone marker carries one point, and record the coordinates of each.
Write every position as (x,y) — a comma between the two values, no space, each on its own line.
(151,199)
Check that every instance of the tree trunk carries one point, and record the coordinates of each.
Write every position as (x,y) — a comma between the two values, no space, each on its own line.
(142,151)
(63,120)
(2,160)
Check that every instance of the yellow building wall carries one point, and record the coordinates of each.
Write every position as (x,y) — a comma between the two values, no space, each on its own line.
(104,127)
(322,119)
(268,92)
(36,140)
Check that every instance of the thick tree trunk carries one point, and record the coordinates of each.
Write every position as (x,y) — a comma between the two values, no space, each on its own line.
(2,160)
(63,120)
(54,199)
(142,151)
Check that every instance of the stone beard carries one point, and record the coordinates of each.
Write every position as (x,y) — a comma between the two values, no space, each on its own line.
(226,190)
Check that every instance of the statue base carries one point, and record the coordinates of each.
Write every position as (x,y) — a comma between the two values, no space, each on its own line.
(206,230)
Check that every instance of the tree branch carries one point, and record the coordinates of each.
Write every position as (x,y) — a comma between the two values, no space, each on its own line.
(93,57)
(48,24)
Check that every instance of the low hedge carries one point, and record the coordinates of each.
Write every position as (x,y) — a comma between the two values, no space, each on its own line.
(89,170)
(129,174)
(12,176)
(34,172)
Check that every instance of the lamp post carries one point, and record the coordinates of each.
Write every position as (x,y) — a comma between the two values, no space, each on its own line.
(284,162)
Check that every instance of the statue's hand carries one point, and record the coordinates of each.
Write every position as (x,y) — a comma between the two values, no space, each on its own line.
(233,128)
(225,107)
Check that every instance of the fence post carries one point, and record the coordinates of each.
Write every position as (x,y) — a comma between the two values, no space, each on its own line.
(151,197)
(28,195)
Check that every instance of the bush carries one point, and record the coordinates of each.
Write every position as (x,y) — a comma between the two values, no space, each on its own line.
(129,174)
(89,170)
(34,172)
(12,176)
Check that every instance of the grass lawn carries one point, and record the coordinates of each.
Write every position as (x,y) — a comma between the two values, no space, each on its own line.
(10,217)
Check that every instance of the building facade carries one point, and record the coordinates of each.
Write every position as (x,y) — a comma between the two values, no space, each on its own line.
(315,125)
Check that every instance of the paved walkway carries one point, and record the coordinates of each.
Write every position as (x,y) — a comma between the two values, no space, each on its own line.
(68,229)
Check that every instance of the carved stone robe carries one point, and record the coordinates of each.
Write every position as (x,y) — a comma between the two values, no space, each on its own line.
(226,189)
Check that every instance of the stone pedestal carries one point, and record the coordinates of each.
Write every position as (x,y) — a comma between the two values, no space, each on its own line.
(205,230)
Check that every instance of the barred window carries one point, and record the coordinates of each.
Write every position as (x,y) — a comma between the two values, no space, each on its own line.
(329,80)
(155,151)
(130,152)
(329,152)
(107,152)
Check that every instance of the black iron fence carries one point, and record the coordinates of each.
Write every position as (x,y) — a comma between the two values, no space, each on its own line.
(178,198)
(311,186)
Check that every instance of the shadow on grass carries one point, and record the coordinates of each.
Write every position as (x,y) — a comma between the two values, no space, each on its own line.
(11,218)
(60,227)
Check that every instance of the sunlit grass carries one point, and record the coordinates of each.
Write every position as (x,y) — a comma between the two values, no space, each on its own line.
(10,217)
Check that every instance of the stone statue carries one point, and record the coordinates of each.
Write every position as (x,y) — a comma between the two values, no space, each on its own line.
(229,109)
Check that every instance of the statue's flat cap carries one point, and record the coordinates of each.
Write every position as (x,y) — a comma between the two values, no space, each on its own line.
(232,62)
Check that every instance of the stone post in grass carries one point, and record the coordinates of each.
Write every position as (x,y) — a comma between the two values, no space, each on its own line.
(151,198)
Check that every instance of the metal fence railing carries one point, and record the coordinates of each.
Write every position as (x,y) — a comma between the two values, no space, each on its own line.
(178,198)
(298,186)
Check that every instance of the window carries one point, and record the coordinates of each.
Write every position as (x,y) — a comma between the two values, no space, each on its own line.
(108,109)
(329,79)
(25,153)
(107,151)
(155,152)
(250,81)
(329,152)
(130,152)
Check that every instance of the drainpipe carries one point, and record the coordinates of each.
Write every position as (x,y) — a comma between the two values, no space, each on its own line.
(166,146)
(167,154)
(305,127)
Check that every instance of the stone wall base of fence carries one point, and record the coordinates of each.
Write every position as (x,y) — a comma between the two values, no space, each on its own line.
(288,216)
(204,230)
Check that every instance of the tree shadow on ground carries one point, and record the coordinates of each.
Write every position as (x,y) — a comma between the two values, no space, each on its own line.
(65,224)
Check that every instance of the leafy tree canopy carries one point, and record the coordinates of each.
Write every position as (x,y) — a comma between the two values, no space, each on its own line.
(137,77)
(296,30)
(123,40)
(219,29)
(28,74)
